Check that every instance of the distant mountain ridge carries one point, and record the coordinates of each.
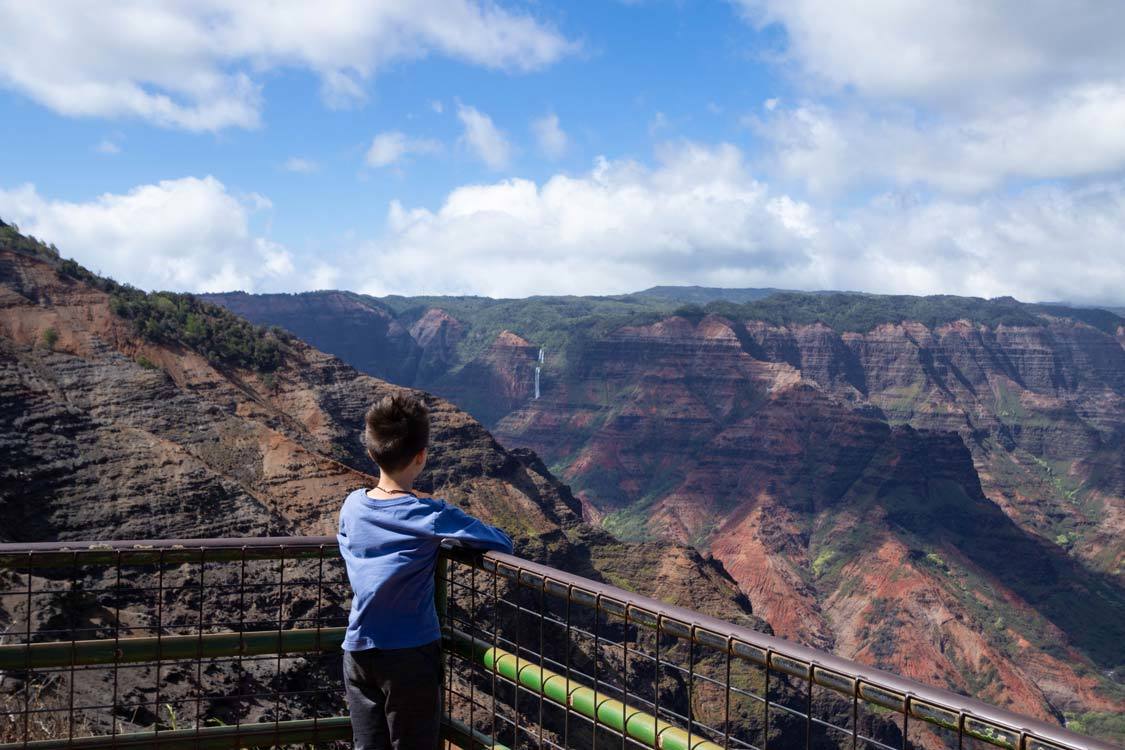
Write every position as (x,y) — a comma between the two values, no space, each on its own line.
(701,295)
(558,322)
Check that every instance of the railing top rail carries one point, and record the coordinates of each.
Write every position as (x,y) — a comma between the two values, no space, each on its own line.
(141,551)
(672,619)
(254,542)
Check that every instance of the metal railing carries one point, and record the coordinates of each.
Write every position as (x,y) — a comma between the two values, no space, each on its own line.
(235,643)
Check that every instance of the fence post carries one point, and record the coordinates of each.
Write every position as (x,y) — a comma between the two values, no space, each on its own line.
(441,593)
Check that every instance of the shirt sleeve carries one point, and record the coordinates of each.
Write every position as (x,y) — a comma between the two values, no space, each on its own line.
(453,523)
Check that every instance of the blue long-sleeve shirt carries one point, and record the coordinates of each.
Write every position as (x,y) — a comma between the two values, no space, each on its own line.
(390,548)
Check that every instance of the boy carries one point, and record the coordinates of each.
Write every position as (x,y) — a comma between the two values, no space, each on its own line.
(389,538)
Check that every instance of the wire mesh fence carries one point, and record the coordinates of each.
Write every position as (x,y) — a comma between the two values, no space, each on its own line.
(235,643)
(130,643)
(538,657)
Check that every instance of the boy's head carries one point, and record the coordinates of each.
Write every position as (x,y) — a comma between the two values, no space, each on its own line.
(397,430)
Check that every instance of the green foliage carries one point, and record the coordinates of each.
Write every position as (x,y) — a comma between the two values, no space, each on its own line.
(822,561)
(856,312)
(10,238)
(146,363)
(218,334)
(701,295)
(694,313)
(1106,725)
(568,326)
(71,268)
(1066,539)
(50,338)
(564,326)
(936,560)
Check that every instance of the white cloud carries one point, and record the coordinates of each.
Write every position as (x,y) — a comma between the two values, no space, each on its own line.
(1045,243)
(552,139)
(437,106)
(700,217)
(188,234)
(198,65)
(483,138)
(107,147)
(961,96)
(959,51)
(392,146)
(300,165)
(1079,134)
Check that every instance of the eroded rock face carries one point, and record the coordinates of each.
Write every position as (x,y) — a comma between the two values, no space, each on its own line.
(498,381)
(791,454)
(437,334)
(181,448)
(109,436)
(943,501)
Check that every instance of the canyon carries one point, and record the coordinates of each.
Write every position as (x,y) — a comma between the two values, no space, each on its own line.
(109,432)
(932,485)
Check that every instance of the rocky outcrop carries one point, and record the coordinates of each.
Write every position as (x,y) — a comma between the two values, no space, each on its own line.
(437,334)
(354,328)
(498,381)
(790,454)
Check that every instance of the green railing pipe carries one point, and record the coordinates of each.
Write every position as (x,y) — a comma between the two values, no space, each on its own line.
(205,738)
(245,735)
(633,722)
(466,737)
(167,648)
(62,555)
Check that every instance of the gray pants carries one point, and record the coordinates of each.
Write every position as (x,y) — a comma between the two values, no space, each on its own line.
(394,697)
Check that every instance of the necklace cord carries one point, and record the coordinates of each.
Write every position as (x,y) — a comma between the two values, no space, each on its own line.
(400,491)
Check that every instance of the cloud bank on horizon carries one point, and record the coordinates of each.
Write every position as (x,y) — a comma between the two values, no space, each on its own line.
(896,147)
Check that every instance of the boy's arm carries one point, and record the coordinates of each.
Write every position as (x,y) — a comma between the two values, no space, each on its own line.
(454,523)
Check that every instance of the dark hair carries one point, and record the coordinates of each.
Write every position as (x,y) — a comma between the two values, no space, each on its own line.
(397,429)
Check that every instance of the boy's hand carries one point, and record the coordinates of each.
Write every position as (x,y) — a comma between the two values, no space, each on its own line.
(423,494)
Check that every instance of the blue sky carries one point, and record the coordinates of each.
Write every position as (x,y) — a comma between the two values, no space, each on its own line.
(456,146)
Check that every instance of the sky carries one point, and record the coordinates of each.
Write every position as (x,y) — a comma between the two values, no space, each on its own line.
(515,148)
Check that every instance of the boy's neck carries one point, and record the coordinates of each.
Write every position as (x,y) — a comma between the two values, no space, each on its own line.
(401,482)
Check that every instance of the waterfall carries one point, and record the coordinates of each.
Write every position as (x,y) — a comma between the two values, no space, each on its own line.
(537,368)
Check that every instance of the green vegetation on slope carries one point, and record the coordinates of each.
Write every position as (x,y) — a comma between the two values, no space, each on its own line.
(1110,726)
(556,323)
(167,317)
(701,295)
(219,335)
(856,312)
(11,238)
(566,325)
